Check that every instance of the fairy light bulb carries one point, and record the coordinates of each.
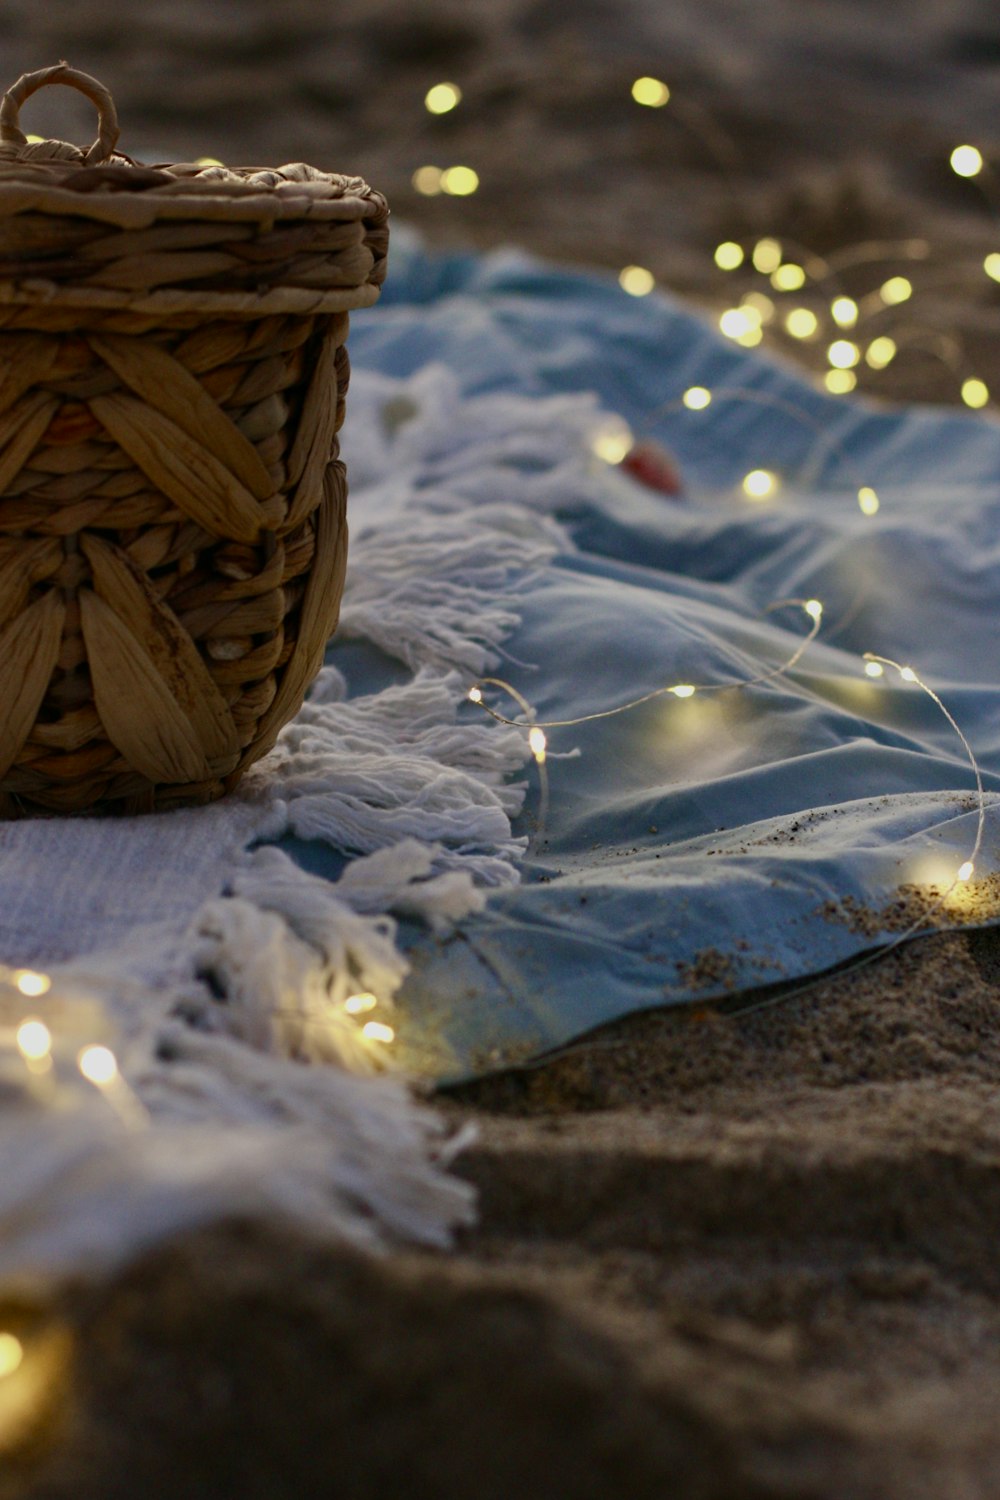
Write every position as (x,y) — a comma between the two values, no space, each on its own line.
(897,289)
(759,484)
(537,743)
(801,323)
(98,1065)
(683,690)
(813,608)
(356,1005)
(31,983)
(652,92)
(868,500)
(34,1040)
(612,442)
(697,397)
(378,1031)
(636,280)
(975,393)
(966,161)
(11,1354)
(843,354)
(736,322)
(840,382)
(475,695)
(459,181)
(844,312)
(907,674)
(788,277)
(442,98)
(880,352)
(965,871)
(729,256)
(991,265)
(766,256)
(874,669)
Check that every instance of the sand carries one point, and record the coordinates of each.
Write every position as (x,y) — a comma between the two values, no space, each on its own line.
(718,1256)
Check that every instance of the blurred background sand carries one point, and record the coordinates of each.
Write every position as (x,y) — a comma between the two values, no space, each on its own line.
(825,122)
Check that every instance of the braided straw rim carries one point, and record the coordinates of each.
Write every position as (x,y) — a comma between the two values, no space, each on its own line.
(103,185)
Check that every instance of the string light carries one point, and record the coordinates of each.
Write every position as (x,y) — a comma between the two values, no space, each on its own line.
(729,256)
(475,695)
(356,1005)
(975,393)
(965,870)
(766,256)
(868,499)
(844,312)
(896,290)
(442,98)
(874,668)
(759,484)
(98,1065)
(966,161)
(427,180)
(537,743)
(11,1354)
(636,280)
(697,397)
(801,323)
(813,608)
(459,181)
(652,92)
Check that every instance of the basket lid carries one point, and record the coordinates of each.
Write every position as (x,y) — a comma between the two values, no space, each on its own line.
(92,224)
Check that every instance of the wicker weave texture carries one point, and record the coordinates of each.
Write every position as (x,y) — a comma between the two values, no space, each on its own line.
(172,504)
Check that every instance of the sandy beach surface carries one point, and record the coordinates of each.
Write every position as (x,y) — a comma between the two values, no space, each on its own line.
(718,1256)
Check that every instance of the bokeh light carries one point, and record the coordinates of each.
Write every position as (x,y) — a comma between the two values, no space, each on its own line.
(442,98)
(636,280)
(652,92)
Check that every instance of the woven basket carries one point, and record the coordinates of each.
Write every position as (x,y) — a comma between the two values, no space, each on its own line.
(172,506)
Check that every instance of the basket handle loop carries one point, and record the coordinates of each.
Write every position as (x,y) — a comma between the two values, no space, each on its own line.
(28,83)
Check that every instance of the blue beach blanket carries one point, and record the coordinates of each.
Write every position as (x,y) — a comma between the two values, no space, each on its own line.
(423,902)
(693,848)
